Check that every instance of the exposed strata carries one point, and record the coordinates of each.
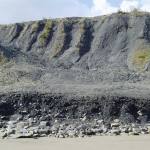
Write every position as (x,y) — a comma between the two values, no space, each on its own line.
(36,114)
(66,69)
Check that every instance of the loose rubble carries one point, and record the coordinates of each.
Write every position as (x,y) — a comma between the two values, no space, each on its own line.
(69,129)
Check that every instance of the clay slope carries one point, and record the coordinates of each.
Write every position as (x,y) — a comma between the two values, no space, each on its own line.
(113,48)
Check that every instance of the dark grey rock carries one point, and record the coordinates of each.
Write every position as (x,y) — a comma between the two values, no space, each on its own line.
(85,71)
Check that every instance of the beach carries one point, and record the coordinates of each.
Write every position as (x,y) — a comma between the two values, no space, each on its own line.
(89,143)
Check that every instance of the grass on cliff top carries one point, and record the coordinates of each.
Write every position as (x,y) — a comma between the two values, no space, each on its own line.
(45,34)
(135,12)
(141,59)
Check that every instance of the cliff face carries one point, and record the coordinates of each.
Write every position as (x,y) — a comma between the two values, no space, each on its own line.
(102,56)
(107,48)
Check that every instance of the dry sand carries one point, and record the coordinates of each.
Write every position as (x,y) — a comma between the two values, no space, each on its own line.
(93,143)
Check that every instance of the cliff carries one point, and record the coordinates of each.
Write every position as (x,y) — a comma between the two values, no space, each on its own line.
(106,57)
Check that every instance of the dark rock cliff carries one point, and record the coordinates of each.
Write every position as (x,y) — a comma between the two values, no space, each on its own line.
(80,58)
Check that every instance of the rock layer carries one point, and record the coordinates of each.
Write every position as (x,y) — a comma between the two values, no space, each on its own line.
(71,68)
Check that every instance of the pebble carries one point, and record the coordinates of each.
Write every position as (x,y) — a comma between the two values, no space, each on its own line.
(115,124)
(115,131)
(30,129)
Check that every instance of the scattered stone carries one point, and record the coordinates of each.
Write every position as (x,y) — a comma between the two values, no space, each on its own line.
(115,131)
(84,118)
(144,130)
(139,113)
(34,129)
(100,122)
(116,123)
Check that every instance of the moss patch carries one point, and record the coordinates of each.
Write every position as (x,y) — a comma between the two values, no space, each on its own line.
(2,59)
(141,59)
(138,13)
(58,45)
(46,32)
(35,27)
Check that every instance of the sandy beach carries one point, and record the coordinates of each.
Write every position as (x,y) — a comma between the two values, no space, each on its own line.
(93,143)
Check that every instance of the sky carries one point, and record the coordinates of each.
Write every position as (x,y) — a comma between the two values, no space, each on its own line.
(25,10)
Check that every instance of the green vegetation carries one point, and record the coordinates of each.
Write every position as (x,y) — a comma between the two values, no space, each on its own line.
(62,28)
(103,19)
(120,12)
(138,13)
(60,39)
(35,27)
(4,27)
(2,59)
(81,31)
(57,49)
(46,32)
(141,59)
(135,12)
(82,25)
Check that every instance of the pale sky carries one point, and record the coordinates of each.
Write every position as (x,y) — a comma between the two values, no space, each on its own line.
(25,10)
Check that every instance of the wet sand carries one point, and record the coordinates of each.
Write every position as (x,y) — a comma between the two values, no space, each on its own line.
(93,143)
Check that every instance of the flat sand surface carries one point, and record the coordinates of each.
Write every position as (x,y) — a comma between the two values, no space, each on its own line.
(93,143)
